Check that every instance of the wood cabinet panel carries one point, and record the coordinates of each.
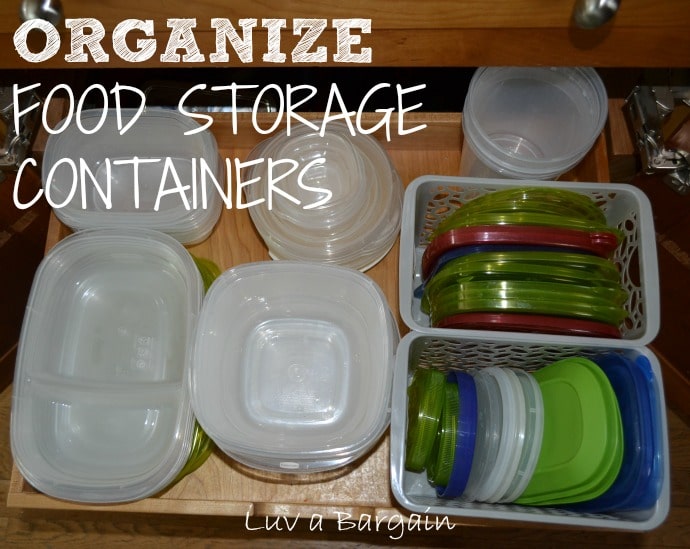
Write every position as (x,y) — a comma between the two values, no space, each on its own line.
(413,33)
(385,14)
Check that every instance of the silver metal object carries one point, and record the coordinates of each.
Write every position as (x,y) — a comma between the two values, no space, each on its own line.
(650,112)
(48,10)
(16,142)
(590,14)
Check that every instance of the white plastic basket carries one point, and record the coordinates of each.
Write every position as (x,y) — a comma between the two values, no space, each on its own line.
(413,491)
(430,199)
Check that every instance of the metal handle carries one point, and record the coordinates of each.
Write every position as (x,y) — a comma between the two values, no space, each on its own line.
(590,14)
(49,10)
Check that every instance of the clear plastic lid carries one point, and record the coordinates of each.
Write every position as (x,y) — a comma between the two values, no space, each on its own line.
(507,437)
(489,430)
(534,428)
(515,440)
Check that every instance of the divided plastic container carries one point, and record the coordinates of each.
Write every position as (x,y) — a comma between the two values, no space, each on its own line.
(167,161)
(460,353)
(101,410)
(430,199)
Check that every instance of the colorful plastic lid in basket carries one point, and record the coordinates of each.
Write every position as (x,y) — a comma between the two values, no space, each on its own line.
(582,444)
(638,484)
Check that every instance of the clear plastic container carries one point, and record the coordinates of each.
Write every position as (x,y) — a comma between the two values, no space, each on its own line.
(292,365)
(530,122)
(358,224)
(168,160)
(101,411)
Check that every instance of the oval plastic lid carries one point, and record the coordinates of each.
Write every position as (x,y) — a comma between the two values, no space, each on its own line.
(530,323)
(101,410)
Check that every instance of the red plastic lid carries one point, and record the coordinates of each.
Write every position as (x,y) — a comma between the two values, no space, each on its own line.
(600,243)
(517,322)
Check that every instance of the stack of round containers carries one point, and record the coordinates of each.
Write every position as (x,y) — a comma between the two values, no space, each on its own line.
(348,197)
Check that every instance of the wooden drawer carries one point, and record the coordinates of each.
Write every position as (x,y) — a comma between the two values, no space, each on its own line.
(406,33)
(224,487)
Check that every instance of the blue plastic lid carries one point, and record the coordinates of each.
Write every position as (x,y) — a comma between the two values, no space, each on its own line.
(638,483)
(466,436)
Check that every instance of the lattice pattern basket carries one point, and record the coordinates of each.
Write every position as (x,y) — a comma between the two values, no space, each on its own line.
(412,490)
(429,199)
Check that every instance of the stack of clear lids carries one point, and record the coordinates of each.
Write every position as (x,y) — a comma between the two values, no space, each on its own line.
(343,204)
(580,433)
(526,259)
(152,176)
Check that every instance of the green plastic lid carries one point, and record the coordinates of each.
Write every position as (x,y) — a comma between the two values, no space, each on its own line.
(600,304)
(426,395)
(440,464)
(208,269)
(582,441)
(528,206)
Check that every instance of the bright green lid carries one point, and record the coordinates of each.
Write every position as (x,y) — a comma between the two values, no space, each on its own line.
(425,397)
(529,206)
(582,443)
(440,464)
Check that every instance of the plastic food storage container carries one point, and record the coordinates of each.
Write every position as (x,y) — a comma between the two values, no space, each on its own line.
(530,122)
(101,409)
(170,188)
(454,353)
(429,199)
(292,365)
(348,197)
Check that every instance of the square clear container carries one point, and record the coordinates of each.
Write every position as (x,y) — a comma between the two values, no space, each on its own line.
(293,364)
(430,199)
(101,411)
